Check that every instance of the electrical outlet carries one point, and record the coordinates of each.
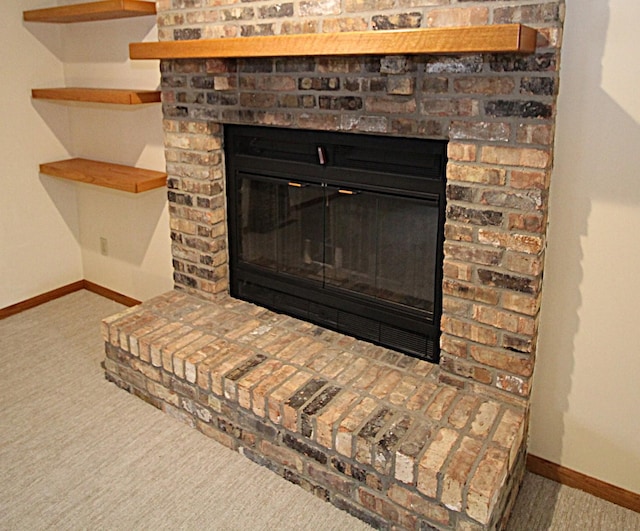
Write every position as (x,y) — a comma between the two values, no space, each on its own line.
(104,246)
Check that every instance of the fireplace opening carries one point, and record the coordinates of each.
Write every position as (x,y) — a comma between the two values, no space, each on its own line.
(342,230)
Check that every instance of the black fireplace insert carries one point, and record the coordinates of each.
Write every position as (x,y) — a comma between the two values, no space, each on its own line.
(343,230)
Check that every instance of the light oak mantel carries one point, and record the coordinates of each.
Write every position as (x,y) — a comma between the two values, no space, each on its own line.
(505,38)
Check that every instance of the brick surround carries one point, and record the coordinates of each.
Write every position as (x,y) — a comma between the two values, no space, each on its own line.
(498,113)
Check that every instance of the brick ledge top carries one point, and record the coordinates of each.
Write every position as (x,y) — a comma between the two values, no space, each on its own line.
(182,334)
(334,390)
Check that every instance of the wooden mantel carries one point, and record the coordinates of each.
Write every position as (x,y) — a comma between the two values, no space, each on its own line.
(505,38)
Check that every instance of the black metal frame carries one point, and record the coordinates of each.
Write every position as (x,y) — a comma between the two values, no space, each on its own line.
(412,168)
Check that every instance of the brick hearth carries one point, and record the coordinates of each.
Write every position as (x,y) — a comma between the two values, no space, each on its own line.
(368,429)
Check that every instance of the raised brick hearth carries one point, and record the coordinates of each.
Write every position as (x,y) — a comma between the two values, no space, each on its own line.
(391,439)
(368,429)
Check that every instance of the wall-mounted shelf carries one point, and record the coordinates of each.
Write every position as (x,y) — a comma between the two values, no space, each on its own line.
(514,38)
(85,12)
(116,176)
(98,95)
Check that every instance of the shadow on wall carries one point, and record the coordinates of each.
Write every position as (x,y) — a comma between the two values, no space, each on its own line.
(111,47)
(594,139)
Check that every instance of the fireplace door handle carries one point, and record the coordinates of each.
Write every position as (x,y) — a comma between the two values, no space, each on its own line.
(348,192)
(297,185)
(322,156)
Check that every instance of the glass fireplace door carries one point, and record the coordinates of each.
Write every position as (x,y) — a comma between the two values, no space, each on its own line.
(382,246)
(282,226)
(363,243)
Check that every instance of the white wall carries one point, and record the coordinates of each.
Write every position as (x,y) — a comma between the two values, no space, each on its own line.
(136,226)
(586,399)
(50,229)
(39,226)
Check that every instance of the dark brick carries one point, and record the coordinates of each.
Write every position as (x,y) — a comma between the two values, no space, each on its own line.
(305,393)
(232,429)
(319,83)
(503,280)
(517,344)
(259,427)
(261,460)
(305,449)
(186,34)
(185,280)
(398,21)
(386,445)
(307,485)
(522,109)
(340,103)
(175,111)
(435,85)
(255,65)
(459,193)
(349,469)
(295,64)
(245,367)
(526,200)
(180,199)
(361,514)
(202,82)
(221,98)
(320,401)
(462,64)
(396,64)
(374,425)
(545,62)
(190,97)
(276,10)
(257,30)
(540,86)
(474,216)
(173,81)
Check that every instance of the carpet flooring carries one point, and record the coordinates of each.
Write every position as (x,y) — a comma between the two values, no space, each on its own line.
(76,452)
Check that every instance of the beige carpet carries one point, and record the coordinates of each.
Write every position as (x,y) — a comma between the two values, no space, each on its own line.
(76,452)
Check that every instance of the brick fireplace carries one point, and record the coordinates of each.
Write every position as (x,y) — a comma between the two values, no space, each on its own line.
(411,444)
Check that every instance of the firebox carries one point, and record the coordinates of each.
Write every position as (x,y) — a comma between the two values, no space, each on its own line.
(342,230)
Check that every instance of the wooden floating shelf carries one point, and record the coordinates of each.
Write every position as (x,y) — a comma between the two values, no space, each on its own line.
(98,95)
(514,38)
(116,176)
(104,10)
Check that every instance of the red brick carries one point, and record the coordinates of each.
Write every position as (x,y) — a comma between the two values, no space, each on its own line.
(349,425)
(245,384)
(462,411)
(466,330)
(502,359)
(456,475)
(278,397)
(325,422)
(476,174)
(484,419)
(462,16)
(512,156)
(487,479)
(410,500)
(441,402)
(461,152)
(433,459)
(421,396)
